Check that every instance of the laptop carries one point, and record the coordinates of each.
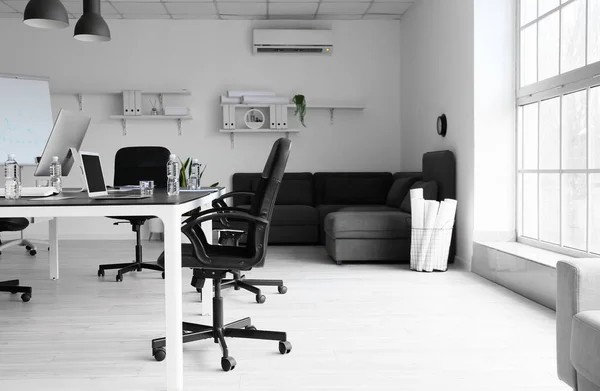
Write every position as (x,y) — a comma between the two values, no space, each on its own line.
(93,176)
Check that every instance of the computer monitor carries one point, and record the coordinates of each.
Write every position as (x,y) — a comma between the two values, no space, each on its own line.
(68,132)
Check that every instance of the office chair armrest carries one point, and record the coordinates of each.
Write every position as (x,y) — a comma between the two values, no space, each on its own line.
(225,210)
(199,242)
(220,203)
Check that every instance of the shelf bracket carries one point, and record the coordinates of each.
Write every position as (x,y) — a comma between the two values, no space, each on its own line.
(179,126)
(331,112)
(232,139)
(80,101)
(124,126)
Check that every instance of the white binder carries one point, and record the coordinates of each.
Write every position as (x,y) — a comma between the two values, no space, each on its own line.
(131,102)
(273,116)
(226,111)
(284,117)
(138,102)
(126,107)
(279,116)
(232,117)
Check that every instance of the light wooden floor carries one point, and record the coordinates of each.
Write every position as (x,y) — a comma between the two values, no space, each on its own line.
(353,327)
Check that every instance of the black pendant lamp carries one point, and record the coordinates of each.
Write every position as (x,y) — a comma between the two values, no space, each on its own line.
(91,27)
(48,14)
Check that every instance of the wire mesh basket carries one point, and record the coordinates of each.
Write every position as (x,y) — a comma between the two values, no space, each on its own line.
(429,248)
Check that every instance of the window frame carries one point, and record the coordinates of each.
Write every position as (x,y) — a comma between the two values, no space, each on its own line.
(585,78)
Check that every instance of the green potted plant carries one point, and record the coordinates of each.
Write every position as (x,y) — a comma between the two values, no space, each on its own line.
(300,102)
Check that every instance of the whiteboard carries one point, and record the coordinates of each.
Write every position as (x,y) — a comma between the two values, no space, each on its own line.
(25,118)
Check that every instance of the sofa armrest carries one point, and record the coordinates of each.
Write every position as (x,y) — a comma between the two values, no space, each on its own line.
(578,289)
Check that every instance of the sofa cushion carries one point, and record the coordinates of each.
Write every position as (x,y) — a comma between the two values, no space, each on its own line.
(429,193)
(399,190)
(292,215)
(368,225)
(296,188)
(369,208)
(352,188)
(585,345)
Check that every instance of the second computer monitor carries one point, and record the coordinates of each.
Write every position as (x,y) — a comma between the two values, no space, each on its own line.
(68,132)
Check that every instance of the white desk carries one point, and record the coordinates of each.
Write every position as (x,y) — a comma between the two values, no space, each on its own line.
(169,210)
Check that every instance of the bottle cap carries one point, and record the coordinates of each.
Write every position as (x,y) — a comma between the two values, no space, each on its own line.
(11,156)
(194,160)
(54,158)
(172,156)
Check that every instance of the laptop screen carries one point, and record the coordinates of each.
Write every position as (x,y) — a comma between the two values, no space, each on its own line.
(93,173)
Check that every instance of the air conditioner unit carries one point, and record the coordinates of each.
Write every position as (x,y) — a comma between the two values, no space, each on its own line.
(293,41)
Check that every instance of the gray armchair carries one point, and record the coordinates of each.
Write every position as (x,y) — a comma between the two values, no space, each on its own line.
(578,323)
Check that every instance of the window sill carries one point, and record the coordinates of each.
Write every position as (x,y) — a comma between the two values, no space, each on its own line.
(530,253)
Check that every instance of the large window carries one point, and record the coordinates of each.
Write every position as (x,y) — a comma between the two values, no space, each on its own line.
(558,131)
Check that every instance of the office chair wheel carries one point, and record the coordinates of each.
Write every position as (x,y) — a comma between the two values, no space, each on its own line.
(25,297)
(285,347)
(261,299)
(163,275)
(119,277)
(228,363)
(27,248)
(159,354)
(32,252)
(250,327)
(100,273)
(282,289)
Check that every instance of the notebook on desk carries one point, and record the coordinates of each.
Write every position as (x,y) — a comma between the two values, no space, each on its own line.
(94,179)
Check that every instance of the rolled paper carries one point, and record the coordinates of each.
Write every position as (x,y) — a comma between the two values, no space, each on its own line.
(230,101)
(269,100)
(240,93)
(431,210)
(417,207)
(416,193)
(446,214)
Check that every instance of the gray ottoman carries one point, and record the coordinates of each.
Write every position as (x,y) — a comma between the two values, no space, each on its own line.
(368,235)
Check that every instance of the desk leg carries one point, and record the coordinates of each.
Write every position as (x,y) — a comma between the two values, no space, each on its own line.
(173,302)
(207,290)
(53,244)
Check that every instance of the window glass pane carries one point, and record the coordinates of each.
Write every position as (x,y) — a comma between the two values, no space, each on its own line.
(550,134)
(528,11)
(574,128)
(548,47)
(593,31)
(549,208)
(529,55)
(530,205)
(572,41)
(520,137)
(574,205)
(519,204)
(530,136)
(546,5)
(594,124)
(595,213)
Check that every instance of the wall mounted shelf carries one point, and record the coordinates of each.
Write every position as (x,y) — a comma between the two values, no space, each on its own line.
(232,132)
(319,106)
(125,118)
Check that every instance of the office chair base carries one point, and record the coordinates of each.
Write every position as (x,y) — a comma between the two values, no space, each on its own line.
(13,287)
(28,244)
(218,331)
(129,267)
(240,282)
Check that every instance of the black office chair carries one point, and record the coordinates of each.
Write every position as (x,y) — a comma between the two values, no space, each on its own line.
(12,286)
(232,237)
(215,262)
(132,165)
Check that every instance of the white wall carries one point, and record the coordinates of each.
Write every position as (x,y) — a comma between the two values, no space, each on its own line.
(437,77)
(495,128)
(209,57)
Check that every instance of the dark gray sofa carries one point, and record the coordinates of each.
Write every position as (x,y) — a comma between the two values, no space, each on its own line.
(365,227)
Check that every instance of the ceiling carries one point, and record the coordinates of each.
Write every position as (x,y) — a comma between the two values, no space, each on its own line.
(231,9)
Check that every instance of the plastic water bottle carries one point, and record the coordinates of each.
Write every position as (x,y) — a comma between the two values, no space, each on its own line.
(12,178)
(173,175)
(55,174)
(194,181)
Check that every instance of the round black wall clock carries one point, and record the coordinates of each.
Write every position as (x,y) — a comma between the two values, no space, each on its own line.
(442,125)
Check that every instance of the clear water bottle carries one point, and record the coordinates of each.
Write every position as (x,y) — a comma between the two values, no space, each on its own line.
(12,178)
(56,174)
(194,182)
(173,175)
